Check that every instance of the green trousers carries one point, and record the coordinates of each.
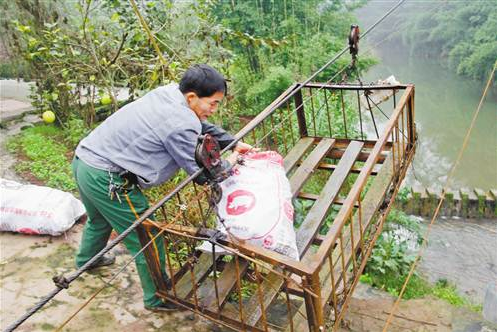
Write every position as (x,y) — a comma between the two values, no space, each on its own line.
(105,214)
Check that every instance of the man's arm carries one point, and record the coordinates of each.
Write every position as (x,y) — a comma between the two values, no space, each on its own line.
(224,138)
(181,145)
(221,135)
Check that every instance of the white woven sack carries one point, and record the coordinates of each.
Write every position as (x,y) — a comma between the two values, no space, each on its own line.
(256,204)
(34,209)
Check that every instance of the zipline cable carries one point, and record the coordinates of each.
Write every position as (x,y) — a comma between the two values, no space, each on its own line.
(64,282)
(441,200)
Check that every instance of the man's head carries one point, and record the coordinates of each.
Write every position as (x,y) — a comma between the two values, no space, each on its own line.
(203,88)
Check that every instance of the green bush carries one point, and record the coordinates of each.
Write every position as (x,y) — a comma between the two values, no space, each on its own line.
(403,195)
(448,292)
(261,94)
(75,131)
(77,57)
(460,33)
(391,260)
(14,70)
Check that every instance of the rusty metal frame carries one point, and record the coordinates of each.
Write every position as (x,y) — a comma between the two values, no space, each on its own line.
(326,276)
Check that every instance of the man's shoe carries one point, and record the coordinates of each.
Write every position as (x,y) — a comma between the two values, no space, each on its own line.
(167,306)
(104,261)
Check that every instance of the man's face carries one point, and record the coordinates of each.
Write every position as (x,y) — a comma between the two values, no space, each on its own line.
(204,106)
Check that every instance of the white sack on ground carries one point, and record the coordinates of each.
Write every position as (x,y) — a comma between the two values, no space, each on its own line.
(256,205)
(34,209)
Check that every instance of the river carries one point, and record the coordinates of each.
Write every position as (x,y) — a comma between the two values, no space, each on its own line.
(461,251)
(444,106)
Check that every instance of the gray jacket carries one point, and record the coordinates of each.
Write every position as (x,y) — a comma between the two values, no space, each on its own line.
(151,137)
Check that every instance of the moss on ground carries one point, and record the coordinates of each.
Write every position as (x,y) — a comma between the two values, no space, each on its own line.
(62,257)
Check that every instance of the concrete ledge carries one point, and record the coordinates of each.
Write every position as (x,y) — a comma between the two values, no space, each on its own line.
(464,203)
(11,109)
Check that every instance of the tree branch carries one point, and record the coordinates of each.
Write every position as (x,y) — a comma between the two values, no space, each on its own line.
(125,35)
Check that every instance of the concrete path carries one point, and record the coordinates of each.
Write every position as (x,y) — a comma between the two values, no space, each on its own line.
(27,265)
(463,252)
(11,109)
(14,100)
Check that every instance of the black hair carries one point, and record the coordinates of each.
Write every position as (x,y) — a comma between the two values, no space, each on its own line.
(203,80)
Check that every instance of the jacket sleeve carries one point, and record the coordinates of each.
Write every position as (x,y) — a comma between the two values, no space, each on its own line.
(221,135)
(181,145)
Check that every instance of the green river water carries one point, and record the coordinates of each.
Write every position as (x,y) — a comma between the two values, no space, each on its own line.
(444,106)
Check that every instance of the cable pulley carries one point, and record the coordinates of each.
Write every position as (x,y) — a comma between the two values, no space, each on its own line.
(354,43)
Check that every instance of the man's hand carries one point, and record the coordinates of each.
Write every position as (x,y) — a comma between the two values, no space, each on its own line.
(244,148)
(232,158)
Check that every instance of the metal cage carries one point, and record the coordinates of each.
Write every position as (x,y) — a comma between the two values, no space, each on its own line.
(345,154)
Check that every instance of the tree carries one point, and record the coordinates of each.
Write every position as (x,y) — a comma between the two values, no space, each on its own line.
(288,40)
(76,59)
(462,34)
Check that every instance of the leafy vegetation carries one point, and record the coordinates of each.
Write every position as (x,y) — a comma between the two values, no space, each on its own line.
(283,41)
(80,53)
(391,260)
(403,195)
(43,155)
(448,292)
(461,33)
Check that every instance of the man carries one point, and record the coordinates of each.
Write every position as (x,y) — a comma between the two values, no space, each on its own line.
(149,139)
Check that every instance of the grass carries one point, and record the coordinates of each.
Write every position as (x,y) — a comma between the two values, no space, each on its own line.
(43,156)
(448,292)
(419,288)
(45,152)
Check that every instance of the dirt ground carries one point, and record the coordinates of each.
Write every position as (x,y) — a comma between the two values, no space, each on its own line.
(27,265)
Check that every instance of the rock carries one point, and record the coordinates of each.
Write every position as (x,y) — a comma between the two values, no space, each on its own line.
(32,118)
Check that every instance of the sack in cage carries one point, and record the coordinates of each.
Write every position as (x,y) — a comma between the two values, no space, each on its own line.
(256,205)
